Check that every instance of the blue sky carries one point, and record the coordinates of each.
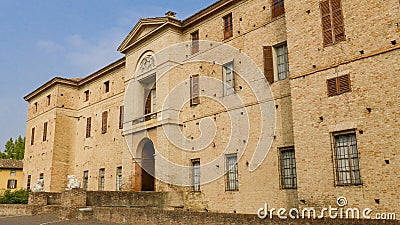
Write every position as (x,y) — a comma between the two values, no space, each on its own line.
(41,39)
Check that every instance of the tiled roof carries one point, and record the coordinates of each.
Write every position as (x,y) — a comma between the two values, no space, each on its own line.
(11,164)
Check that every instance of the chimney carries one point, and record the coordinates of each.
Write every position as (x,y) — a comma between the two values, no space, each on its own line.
(170,14)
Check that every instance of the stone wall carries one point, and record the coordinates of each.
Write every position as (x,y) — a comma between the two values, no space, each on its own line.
(145,216)
(134,199)
(12,210)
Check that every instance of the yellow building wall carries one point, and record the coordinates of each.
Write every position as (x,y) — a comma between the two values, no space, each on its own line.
(5,176)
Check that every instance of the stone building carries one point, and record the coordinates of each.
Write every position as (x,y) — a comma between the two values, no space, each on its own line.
(328,128)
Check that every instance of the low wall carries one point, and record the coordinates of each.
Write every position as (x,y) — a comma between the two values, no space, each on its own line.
(14,210)
(148,216)
(160,200)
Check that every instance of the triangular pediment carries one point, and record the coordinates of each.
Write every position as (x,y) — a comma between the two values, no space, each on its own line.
(143,28)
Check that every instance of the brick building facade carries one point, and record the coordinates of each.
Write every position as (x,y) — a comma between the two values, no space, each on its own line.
(330,68)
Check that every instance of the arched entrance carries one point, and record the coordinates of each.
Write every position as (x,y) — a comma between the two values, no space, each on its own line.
(148,165)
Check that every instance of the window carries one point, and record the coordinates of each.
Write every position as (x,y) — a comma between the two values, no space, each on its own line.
(88,126)
(101,179)
(232,176)
(104,117)
(119,178)
(41,177)
(36,106)
(288,168)
(196,174)
(282,61)
(150,104)
(85,180)
(228,78)
(28,182)
(228,26)
(45,131)
(12,184)
(13,172)
(107,86)
(268,64)
(48,99)
(346,158)
(121,117)
(87,95)
(33,136)
(332,22)
(195,42)
(338,85)
(278,8)
(194,90)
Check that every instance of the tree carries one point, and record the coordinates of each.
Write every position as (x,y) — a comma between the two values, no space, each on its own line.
(14,149)
(15,197)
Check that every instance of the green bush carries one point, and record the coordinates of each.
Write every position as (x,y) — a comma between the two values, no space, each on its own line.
(15,197)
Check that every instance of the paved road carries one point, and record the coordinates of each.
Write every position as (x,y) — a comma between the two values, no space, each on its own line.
(47,219)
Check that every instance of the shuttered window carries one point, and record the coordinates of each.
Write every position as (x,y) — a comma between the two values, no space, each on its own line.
(121,117)
(195,42)
(88,126)
(33,136)
(277,8)
(268,64)
(11,184)
(45,131)
(87,95)
(282,61)
(107,86)
(104,118)
(338,85)
(228,78)
(228,26)
(332,22)
(194,90)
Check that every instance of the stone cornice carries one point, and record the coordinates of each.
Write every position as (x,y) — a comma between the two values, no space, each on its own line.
(162,22)
(210,10)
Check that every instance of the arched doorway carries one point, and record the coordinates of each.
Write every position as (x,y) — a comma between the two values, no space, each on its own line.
(148,165)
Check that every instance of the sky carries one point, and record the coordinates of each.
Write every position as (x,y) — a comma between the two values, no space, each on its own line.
(41,39)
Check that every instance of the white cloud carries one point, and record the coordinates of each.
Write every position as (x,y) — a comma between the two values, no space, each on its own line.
(94,53)
(49,46)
